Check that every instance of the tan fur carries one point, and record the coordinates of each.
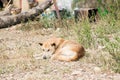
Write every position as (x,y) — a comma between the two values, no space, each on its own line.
(60,49)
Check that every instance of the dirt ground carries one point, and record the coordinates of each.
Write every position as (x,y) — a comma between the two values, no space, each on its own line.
(17,61)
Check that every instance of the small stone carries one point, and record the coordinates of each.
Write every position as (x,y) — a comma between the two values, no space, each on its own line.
(97,69)
(37,56)
(79,78)
(75,72)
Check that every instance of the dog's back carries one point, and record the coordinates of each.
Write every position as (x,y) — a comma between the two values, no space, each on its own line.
(69,51)
(64,50)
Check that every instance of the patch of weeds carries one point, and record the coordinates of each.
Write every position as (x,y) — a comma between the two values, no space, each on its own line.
(114,50)
(112,46)
(35,25)
(83,33)
(102,41)
(6,69)
(30,25)
(48,23)
(117,38)
(111,27)
(1,71)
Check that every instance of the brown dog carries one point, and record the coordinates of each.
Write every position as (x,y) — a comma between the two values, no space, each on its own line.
(60,49)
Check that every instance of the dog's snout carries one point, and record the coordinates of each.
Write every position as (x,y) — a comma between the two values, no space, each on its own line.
(44,57)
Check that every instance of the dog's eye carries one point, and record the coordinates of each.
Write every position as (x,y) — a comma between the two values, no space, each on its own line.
(48,50)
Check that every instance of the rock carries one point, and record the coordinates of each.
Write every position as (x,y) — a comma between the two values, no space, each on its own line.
(37,56)
(75,72)
(97,69)
(79,78)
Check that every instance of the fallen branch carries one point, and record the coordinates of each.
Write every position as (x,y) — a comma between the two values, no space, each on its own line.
(7,21)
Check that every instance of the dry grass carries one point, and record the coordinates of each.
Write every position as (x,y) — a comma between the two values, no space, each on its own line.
(17,62)
(101,41)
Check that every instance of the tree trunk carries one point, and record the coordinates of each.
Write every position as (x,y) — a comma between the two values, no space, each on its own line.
(4,13)
(7,21)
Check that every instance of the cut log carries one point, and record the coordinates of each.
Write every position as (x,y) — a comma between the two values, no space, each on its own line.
(86,13)
(7,21)
(4,13)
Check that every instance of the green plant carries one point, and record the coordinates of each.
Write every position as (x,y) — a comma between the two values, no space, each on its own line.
(103,38)
(114,50)
(83,33)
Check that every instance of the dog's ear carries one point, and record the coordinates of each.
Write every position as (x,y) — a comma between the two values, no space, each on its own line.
(40,44)
(53,44)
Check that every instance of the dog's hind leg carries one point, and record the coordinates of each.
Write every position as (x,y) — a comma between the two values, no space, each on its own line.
(67,56)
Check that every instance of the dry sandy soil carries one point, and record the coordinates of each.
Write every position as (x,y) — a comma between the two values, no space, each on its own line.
(17,61)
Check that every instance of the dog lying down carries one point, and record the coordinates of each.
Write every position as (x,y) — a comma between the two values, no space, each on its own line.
(61,49)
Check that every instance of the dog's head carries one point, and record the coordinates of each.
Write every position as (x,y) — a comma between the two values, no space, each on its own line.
(48,49)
